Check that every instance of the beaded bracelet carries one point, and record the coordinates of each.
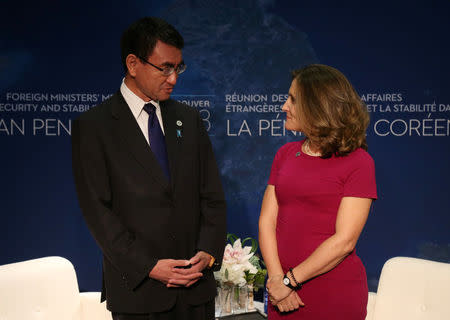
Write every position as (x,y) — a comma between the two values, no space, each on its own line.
(297,285)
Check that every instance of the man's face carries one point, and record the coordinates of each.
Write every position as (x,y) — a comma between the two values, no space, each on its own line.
(150,83)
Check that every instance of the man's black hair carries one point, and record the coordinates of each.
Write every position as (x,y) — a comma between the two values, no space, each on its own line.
(140,38)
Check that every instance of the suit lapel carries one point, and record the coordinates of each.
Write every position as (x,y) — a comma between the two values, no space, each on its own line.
(135,142)
(173,135)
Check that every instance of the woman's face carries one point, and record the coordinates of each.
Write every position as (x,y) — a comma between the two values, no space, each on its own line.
(292,120)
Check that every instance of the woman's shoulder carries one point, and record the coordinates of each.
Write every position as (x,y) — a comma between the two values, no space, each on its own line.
(361,154)
(360,157)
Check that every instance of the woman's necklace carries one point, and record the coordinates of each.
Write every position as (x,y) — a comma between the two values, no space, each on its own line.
(308,151)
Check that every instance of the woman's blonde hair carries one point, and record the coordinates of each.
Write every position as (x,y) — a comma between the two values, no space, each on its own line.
(331,113)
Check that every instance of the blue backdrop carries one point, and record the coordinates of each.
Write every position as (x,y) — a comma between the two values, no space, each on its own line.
(58,59)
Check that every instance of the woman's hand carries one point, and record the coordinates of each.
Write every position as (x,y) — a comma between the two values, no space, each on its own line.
(276,289)
(290,303)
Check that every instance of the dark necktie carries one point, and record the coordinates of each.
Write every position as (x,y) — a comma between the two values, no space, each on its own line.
(156,138)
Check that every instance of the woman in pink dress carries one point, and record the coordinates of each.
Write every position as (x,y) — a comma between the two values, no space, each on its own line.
(317,201)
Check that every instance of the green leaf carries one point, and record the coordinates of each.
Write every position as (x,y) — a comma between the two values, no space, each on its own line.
(259,278)
(231,238)
(249,277)
(254,260)
(254,243)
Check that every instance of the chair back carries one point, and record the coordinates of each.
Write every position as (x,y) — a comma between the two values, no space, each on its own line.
(39,289)
(413,289)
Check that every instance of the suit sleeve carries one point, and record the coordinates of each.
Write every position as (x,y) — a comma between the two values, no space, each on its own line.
(212,236)
(119,245)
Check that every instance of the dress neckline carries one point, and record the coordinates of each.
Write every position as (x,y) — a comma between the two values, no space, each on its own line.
(300,152)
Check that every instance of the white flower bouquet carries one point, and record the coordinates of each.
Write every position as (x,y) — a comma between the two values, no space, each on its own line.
(241,266)
(240,275)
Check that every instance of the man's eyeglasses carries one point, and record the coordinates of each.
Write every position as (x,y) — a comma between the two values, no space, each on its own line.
(167,70)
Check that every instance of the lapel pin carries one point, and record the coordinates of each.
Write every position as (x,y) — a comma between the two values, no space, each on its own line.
(179,123)
(297,154)
(178,133)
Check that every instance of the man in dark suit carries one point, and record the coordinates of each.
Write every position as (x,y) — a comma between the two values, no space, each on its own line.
(149,188)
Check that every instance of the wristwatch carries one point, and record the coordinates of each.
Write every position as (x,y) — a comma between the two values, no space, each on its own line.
(287,282)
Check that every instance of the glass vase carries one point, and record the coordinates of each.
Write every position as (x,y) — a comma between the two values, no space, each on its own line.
(240,299)
(226,299)
(251,298)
